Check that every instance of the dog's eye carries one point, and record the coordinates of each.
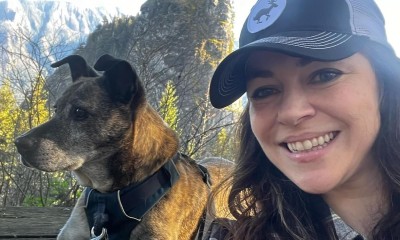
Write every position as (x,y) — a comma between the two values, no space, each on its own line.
(79,114)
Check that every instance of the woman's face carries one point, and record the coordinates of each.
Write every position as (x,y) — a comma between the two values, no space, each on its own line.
(316,121)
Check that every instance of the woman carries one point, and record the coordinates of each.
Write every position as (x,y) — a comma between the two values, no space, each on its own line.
(319,139)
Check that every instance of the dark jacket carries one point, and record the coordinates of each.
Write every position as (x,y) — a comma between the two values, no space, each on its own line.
(343,231)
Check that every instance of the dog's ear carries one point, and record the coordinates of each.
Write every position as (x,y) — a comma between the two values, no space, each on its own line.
(78,67)
(121,79)
(106,62)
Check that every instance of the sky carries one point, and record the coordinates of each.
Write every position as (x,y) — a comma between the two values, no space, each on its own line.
(242,8)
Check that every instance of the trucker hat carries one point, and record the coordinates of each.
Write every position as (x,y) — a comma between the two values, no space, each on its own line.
(324,30)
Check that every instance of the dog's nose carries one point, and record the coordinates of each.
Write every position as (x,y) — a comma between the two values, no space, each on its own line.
(24,144)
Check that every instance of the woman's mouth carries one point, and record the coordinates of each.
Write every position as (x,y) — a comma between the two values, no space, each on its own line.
(311,144)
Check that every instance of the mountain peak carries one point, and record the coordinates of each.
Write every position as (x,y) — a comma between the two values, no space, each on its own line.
(50,22)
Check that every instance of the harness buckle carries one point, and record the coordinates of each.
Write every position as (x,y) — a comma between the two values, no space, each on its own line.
(102,236)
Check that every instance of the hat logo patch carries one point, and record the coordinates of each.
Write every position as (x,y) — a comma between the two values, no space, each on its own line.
(264,14)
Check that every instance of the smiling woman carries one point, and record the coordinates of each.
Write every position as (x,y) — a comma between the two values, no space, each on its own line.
(310,118)
(318,156)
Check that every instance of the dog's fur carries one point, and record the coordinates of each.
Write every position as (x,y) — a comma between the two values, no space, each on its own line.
(106,133)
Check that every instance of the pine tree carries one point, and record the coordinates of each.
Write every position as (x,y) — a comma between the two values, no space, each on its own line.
(168,106)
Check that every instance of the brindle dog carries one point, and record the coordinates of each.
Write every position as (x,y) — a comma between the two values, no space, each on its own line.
(115,143)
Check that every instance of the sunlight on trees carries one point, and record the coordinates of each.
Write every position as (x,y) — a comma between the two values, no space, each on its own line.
(24,105)
(36,110)
(168,106)
(8,117)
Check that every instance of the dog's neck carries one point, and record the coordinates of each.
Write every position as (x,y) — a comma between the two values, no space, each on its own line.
(95,175)
(149,145)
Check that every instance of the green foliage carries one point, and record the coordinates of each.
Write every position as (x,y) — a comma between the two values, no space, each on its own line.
(225,144)
(16,119)
(37,110)
(56,189)
(168,106)
(18,184)
(32,200)
(8,116)
(222,140)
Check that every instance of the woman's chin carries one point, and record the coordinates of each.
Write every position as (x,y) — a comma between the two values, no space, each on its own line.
(317,186)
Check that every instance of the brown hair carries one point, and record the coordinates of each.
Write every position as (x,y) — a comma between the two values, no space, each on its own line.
(387,144)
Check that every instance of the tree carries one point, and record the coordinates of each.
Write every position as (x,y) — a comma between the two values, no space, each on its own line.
(8,116)
(168,106)
(26,71)
(35,106)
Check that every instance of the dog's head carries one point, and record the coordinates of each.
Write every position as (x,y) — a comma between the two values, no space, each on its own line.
(99,120)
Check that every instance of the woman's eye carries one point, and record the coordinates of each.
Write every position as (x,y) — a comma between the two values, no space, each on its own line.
(325,75)
(264,92)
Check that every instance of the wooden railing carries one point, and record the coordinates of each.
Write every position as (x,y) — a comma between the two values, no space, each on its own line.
(31,223)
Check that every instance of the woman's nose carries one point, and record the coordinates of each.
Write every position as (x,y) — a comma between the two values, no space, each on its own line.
(295,107)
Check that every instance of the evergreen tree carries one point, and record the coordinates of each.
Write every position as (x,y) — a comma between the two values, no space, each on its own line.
(168,106)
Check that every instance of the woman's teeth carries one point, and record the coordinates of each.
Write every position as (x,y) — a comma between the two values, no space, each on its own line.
(311,144)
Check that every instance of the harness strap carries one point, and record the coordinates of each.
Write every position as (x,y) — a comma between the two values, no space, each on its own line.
(206,175)
(126,207)
(204,216)
(100,217)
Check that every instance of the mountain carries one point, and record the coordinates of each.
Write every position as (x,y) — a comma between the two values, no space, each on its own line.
(66,25)
(171,40)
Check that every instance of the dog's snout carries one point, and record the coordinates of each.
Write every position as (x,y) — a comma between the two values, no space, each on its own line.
(24,144)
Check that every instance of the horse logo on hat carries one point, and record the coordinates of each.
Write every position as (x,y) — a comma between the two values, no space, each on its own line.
(264,14)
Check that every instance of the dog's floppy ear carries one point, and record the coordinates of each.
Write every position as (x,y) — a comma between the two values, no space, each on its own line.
(121,79)
(77,65)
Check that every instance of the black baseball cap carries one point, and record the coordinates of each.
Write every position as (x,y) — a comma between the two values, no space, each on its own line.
(324,30)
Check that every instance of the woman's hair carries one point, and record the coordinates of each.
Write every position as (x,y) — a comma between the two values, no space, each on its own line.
(267,205)
(387,144)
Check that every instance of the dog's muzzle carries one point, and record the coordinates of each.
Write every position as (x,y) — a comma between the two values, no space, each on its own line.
(25,147)
(24,144)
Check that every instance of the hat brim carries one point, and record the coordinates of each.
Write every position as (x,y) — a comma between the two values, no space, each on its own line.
(228,82)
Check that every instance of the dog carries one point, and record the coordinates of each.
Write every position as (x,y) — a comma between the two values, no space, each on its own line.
(138,186)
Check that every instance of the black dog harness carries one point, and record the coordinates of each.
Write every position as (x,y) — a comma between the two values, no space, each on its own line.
(114,215)
(126,207)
